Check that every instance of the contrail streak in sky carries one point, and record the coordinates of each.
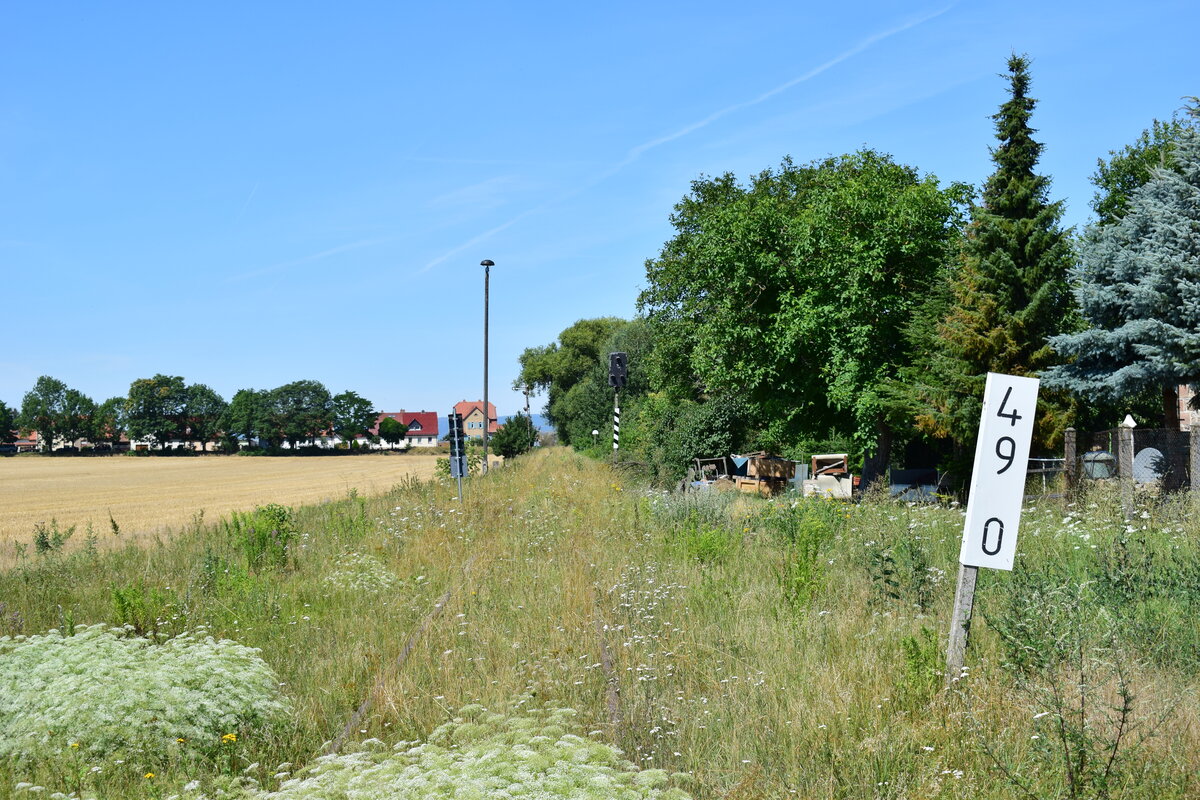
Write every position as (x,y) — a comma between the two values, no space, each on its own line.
(638,151)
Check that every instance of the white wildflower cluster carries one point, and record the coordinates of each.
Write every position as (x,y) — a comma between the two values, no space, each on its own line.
(484,755)
(105,690)
(359,572)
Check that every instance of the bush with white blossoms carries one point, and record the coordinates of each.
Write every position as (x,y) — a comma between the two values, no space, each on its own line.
(105,690)
(361,573)
(482,755)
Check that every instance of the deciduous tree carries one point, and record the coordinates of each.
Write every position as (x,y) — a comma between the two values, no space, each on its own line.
(203,411)
(792,292)
(516,436)
(8,424)
(78,410)
(249,417)
(300,410)
(108,423)
(43,410)
(392,430)
(352,416)
(156,407)
(562,365)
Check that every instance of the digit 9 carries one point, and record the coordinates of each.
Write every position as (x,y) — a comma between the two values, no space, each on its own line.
(1003,456)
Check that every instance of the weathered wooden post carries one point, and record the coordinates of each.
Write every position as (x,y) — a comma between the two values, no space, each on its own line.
(1125,463)
(960,622)
(1070,460)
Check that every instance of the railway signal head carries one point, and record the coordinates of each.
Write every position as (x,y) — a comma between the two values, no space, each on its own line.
(618,370)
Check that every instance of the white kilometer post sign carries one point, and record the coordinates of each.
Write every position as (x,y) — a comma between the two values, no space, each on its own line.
(997,490)
(998,479)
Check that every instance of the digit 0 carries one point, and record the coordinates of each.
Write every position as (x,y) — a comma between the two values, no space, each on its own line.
(999,535)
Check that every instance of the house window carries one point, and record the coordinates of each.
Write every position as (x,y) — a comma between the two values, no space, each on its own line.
(415,426)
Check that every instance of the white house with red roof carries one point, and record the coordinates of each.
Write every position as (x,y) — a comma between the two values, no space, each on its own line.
(422,427)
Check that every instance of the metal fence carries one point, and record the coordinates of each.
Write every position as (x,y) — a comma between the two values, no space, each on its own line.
(1151,456)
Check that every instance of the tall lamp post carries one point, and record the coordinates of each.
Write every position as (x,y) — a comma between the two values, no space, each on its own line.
(487,265)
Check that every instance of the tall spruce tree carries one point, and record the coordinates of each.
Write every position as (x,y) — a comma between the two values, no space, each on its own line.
(1138,287)
(1009,292)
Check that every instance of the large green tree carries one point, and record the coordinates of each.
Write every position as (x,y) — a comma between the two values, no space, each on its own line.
(155,409)
(248,417)
(78,410)
(203,411)
(300,411)
(352,415)
(43,409)
(561,366)
(108,422)
(8,424)
(792,291)
(1009,293)
(1138,288)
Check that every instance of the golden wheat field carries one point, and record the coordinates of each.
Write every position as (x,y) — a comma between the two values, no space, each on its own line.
(145,495)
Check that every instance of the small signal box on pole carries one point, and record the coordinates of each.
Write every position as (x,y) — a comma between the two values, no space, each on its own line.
(618,370)
(458,447)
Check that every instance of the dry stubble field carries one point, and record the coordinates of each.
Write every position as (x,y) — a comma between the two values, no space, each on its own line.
(145,495)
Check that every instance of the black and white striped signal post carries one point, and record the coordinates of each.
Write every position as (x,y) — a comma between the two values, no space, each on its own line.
(618,369)
(458,450)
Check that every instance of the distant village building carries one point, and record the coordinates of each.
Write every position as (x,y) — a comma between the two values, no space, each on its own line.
(473,418)
(422,427)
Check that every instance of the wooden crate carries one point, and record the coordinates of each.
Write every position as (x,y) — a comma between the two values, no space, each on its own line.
(764,487)
(770,467)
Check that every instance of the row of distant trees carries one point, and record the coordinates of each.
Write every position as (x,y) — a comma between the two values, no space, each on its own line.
(165,409)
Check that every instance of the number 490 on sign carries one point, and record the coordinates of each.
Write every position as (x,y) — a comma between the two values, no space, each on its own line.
(998,479)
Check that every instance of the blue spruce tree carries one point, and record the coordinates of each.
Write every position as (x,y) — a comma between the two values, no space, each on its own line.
(1138,287)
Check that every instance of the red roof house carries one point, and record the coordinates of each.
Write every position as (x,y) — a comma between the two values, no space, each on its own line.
(422,426)
(472,414)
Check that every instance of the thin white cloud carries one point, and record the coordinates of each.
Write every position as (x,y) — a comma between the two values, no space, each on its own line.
(304,260)
(488,194)
(865,44)
(483,237)
(638,151)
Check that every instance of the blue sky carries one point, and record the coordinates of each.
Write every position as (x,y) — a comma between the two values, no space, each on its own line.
(249,194)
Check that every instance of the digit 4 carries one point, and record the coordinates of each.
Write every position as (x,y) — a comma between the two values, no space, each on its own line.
(1011,416)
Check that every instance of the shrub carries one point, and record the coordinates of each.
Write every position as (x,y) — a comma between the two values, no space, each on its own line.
(50,538)
(482,754)
(110,691)
(358,572)
(265,535)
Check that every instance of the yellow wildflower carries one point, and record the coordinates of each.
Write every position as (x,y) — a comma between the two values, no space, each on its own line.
(229,737)
(74,744)
(149,775)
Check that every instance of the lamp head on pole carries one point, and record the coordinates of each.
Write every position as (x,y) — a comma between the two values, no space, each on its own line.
(487,262)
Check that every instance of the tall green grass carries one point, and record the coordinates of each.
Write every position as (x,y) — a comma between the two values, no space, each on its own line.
(761,648)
